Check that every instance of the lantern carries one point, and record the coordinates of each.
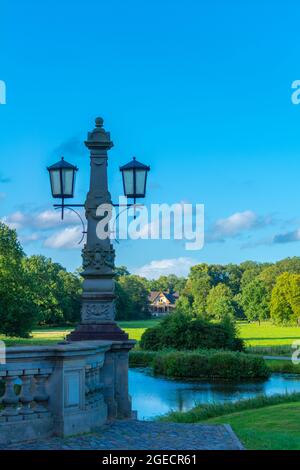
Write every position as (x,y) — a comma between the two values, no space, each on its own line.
(62,179)
(134,179)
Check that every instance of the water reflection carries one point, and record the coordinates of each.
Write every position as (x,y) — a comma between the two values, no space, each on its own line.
(152,396)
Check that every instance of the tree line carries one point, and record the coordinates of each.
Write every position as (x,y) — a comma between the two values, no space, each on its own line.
(250,290)
(35,291)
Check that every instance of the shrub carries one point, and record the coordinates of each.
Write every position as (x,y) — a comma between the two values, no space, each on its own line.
(151,339)
(210,364)
(181,331)
(141,358)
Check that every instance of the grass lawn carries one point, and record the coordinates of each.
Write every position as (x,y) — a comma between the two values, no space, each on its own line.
(264,335)
(283,367)
(135,329)
(44,336)
(261,423)
(271,428)
(267,334)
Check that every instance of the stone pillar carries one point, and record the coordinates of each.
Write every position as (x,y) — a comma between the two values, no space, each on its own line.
(98,298)
(122,397)
(108,378)
(114,376)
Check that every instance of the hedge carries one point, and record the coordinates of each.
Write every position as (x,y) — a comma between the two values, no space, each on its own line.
(210,364)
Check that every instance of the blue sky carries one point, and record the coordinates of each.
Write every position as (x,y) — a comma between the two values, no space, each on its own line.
(199,90)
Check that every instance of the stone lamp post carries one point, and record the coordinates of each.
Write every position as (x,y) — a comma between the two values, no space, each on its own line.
(98,298)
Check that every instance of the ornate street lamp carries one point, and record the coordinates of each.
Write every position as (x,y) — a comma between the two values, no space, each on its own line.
(98,296)
(134,176)
(62,180)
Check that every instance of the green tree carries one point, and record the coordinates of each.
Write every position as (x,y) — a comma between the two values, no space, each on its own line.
(220,302)
(170,283)
(183,305)
(17,311)
(285,300)
(280,307)
(270,274)
(250,271)
(197,288)
(69,296)
(203,277)
(255,301)
(121,271)
(132,298)
(123,302)
(294,297)
(233,277)
(54,291)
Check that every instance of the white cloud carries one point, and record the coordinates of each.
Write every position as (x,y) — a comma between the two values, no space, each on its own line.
(68,238)
(42,220)
(32,237)
(38,226)
(154,269)
(50,218)
(15,220)
(236,224)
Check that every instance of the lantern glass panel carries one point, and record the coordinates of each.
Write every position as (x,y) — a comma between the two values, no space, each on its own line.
(55,182)
(67,180)
(128,182)
(140,182)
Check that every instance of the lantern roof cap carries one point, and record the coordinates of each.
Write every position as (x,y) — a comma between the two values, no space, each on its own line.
(62,164)
(134,164)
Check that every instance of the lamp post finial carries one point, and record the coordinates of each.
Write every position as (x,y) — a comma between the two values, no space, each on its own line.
(99,121)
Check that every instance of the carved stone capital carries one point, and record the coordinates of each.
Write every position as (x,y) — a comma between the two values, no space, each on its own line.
(98,258)
(97,312)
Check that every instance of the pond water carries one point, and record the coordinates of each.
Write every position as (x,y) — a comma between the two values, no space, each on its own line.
(152,396)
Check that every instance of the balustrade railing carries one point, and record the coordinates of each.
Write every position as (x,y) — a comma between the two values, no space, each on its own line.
(24,394)
(93,385)
(63,389)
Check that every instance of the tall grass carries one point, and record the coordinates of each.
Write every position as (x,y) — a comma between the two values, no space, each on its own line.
(213,410)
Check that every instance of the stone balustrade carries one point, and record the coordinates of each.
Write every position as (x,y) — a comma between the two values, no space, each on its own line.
(32,397)
(63,389)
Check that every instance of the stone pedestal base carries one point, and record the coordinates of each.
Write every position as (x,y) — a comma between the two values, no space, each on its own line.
(98,331)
